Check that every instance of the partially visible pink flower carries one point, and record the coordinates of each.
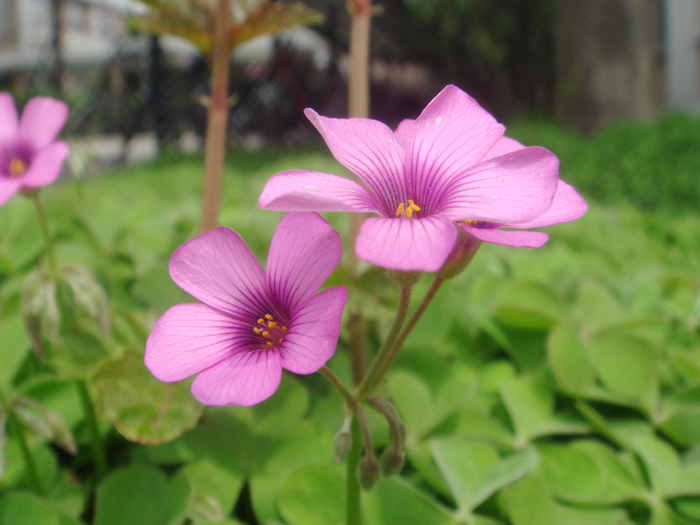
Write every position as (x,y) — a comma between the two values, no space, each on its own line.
(567,205)
(29,154)
(451,164)
(252,323)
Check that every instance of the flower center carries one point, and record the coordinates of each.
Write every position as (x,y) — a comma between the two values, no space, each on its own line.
(270,331)
(469,222)
(407,209)
(17,167)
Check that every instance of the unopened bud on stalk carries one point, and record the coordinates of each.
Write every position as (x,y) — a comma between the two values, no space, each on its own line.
(392,461)
(462,253)
(368,472)
(342,443)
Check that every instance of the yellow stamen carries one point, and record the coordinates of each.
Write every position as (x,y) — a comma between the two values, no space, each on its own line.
(284,328)
(281,339)
(469,222)
(266,335)
(261,321)
(408,209)
(269,317)
(271,325)
(17,167)
(270,344)
(256,330)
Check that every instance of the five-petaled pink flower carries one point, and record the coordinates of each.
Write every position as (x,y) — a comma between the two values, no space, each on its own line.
(252,323)
(451,165)
(29,155)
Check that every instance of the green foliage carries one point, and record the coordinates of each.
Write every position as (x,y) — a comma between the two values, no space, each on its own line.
(558,385)
(653,165)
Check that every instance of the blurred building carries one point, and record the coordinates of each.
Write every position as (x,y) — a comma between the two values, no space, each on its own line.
(682,18)
(51,37)
(626,60)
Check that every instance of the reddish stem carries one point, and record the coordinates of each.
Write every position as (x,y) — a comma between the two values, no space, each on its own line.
(215,147)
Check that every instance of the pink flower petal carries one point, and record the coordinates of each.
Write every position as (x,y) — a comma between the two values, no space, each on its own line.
(313,335)
(452,132)
(521,239)
(42,119)
(8,187)
(512,188)
(503,146)
(218,268)
(406,244)
(567,205)
(300,190)
(404,133)
(46,165)
(304,252)
(245,378)
(8,117)
(190,338)
(366,147)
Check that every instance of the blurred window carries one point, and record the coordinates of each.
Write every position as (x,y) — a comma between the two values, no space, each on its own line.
(8,23)
(77,17)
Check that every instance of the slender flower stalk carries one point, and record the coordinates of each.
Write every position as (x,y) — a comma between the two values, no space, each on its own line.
(339,386)
(97,446)
(379,365)
(45,229)
(215,147)
(360,25)
(353,494)
(358,107)
(385,408)
(18,429)
(393,351)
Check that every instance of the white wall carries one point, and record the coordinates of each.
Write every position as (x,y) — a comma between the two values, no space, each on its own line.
(683,54)
(91,32)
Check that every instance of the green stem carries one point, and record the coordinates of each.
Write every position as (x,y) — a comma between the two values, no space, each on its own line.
(376,371)
(394,349)
(44,222)
(385,408)
(96,444)
(339,386)
(364,430)
(353,509)
(18,430)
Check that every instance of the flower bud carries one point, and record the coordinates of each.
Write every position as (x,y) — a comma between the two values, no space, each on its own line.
(462,253)
(342,443)
(87,294)
(40,308)
(45,422)
(51,303)
(368,472)
(392,461)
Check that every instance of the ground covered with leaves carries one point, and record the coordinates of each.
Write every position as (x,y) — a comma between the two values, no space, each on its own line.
(557,385)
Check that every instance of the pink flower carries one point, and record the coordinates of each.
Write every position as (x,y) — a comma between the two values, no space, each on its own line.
(451,164)
(567,205)
(29,155)
(252,323)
